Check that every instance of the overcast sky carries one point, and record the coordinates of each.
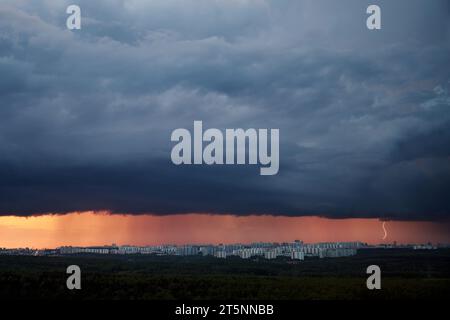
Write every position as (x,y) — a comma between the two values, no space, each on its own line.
(364,116)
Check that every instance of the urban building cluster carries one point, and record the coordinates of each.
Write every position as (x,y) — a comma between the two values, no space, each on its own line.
(296,250)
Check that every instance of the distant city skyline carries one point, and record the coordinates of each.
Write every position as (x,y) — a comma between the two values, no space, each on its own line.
(91,229)
(136,248)
(295,250)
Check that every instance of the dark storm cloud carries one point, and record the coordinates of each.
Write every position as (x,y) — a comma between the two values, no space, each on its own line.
(364,117)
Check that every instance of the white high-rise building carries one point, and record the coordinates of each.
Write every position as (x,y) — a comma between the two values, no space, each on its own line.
(297,255)
(270,254)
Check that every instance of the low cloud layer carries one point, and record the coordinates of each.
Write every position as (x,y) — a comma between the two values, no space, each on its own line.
(364,116)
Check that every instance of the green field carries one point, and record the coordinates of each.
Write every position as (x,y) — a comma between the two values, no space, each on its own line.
(406,274)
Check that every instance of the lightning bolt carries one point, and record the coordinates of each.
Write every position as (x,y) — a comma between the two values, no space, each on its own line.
(384,229)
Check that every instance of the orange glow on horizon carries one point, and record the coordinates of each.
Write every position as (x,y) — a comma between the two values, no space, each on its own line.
(89,228)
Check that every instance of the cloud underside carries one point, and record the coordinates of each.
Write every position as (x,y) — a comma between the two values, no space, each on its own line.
(364,116)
